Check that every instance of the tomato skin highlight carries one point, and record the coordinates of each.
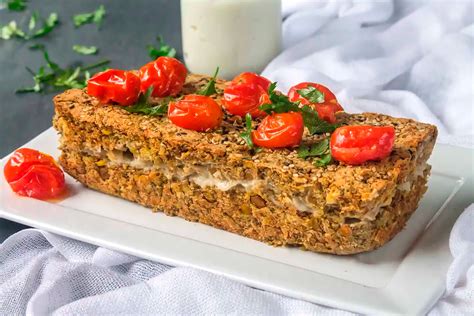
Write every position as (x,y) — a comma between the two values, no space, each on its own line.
(241,99)
(165,74)
(113,85)
(195,112)
(34,174)
(279,130)
(252,78)
(355,145)
(294,96)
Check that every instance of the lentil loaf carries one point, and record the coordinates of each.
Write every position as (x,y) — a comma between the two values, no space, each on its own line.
(272,196)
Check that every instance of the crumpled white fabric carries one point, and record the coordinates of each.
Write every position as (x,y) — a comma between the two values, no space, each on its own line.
(404,58)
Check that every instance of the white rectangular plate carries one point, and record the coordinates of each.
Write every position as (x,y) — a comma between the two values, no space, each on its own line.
(382,281)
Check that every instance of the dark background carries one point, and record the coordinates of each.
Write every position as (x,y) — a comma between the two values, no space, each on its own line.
(129,25)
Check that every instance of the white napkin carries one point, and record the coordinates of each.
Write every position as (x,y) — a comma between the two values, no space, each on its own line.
(404,58)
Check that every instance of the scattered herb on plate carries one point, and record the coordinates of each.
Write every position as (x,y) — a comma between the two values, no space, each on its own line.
(52,77)
(320,150)
(143,107)
(210,87)
(16,5)
(48,25)
(281,104)
(162,50)
(12,30)
(85,50)
(92,17)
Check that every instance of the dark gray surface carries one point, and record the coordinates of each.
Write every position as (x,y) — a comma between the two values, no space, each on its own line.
(128,27)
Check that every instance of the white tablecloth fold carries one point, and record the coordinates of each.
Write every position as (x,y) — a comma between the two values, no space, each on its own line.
(404,58)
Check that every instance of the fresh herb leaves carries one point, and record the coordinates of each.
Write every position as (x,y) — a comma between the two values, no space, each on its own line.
(85,50)
(162,50)
(92,17)
(12,30)
(16,5)
(54,78)
(210,87)
(143,107)
(312,94)
(247,134)
(281,104)
(319,150)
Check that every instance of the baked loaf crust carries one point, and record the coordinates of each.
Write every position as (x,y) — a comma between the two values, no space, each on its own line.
(271,196)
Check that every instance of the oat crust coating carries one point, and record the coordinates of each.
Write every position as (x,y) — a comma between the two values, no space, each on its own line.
(277,198)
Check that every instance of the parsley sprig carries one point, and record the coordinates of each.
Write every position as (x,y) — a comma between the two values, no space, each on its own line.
(52,77)
(281,104)
(320,150)
(210,87)
(143,107)
(162,49)
(16,5)
(247,134)
(85,50)
(96,17)
(311,94)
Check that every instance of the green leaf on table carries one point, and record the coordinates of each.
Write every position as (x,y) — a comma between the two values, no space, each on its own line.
(311,94)
(144,107)
(32,24)
(162,49)
(16,5)
(92,17)
(85,50)
(48,25)
(210,87)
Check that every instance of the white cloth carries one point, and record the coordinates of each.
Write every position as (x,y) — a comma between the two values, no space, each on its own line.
(404,58)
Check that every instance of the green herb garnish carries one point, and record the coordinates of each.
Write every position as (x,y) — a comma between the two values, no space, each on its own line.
(32,24)
(16,5)
(11,30)
(311,94)
(281,104)
(162,50)
(319,150)
(85,50)
(92,17)
(48,25)
(247,134)
(143,107)
(210,87)
(52,77)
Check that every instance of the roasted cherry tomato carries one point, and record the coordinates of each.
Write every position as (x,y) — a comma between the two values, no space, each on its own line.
(279,130)
(113,85)
(34,174)
(195,112)
(355,145)
(241,99)
(165,74)
(294,96)
(326,111)
(252,78)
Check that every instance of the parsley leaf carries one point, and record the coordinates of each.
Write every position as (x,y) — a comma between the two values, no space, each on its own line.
(16,5)
(143,107)
(52,77)
(11,30)
(33,19)
(312,94)
(210,87)
(85,50)
(319,150)
(281,104)
(92,17)
(247,134)
(48,25)
(162,50)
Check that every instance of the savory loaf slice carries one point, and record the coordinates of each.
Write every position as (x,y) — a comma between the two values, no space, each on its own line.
(272,196)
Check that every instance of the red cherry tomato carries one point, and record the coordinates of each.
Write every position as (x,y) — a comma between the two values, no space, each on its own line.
(355,145)
(165,74)
(294,96)
(113,85)
(279,130)
(241,99)
(195,112)
(252,78)
(34,174)
(326,111)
